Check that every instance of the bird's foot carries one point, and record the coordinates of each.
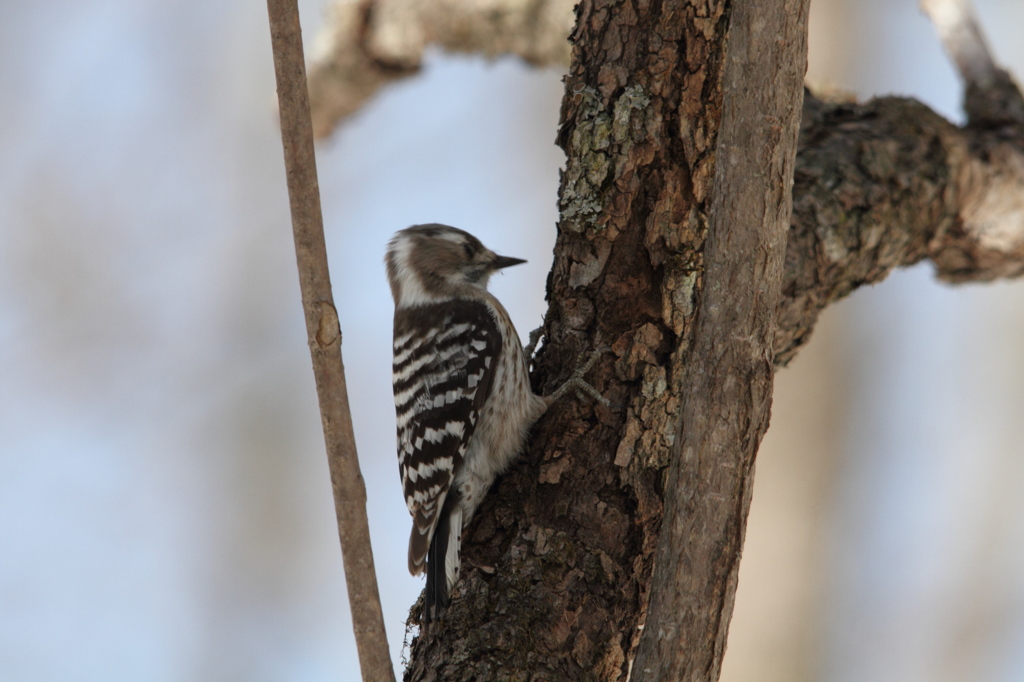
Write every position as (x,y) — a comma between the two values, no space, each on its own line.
(584,364)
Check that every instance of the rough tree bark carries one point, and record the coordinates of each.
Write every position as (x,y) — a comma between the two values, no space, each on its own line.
(559,561)
(727,370)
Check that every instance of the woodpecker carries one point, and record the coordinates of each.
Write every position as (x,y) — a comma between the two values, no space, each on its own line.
(463,400)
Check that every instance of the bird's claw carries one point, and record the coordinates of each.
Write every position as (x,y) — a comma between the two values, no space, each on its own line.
(584,363)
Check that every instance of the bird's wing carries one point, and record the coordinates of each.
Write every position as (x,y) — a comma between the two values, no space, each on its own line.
(444,363)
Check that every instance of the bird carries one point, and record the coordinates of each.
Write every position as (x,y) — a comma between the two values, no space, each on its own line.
(463,400)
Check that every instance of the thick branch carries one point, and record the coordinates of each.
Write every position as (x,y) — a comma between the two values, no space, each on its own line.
(728,372)
(890,183)
(366,44)
(325,342)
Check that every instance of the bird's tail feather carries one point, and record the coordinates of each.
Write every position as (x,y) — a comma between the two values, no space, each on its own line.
(424,524)
(443,558)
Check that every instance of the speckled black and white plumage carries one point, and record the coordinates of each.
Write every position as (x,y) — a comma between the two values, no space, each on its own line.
(462,392)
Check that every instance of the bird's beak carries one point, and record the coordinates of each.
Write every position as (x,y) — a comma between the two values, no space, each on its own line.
(504,262)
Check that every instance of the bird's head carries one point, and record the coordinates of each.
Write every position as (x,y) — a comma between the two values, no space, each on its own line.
(431,263)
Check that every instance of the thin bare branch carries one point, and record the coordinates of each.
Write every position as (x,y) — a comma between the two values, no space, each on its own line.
(991,97)
(325,342)
(958,30)
(366,44)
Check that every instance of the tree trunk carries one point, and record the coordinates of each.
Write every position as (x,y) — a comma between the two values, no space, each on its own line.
(567,543)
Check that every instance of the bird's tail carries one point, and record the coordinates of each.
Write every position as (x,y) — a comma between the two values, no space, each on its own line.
(424,523)
(443,558)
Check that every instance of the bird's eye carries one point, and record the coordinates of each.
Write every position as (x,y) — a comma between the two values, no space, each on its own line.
(470,251)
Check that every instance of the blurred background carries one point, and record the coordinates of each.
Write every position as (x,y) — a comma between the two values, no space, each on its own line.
(165,509)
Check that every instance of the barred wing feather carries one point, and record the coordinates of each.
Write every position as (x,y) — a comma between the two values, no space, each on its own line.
(444,357)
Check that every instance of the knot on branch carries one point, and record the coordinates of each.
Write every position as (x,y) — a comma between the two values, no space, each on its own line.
(328,330)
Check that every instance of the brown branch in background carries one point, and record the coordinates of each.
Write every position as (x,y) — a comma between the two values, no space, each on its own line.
(728,373)
(325,342)
(958,30)
(991,97)
(366,44)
